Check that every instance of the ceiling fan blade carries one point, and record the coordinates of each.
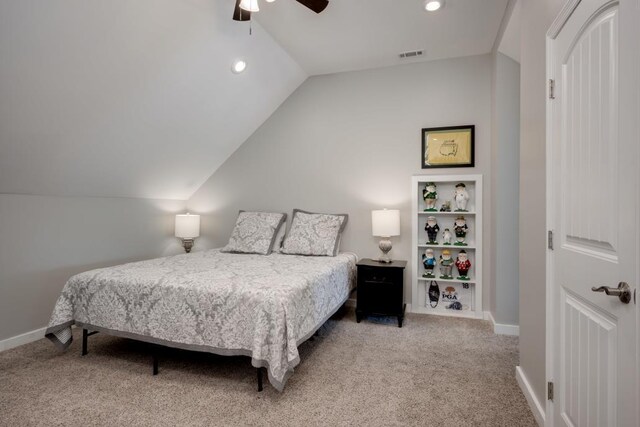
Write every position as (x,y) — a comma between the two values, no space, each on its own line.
(316,5)
(240,14)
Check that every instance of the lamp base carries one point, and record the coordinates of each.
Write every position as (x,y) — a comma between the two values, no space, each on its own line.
(187,244)
(385,247)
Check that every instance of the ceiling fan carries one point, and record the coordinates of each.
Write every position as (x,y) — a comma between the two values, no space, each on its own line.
(243,9)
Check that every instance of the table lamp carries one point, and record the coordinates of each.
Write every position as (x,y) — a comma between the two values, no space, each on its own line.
(187,229)
(385,223)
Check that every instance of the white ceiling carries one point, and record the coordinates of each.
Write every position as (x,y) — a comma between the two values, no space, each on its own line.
(358,34)
(129,98)
(121,98)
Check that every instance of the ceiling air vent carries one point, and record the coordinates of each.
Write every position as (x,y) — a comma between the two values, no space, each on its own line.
(411,54)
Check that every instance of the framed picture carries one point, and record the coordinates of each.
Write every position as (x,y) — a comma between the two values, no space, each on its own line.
(448,147)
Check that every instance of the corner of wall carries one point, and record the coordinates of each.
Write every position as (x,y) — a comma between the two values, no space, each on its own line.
(501,328)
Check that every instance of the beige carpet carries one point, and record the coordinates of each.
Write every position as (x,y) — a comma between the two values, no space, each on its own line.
(435,371)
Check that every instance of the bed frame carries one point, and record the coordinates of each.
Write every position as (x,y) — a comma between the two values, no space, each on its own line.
(154,355)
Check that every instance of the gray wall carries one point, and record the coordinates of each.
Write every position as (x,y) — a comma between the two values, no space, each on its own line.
(506,153)
(349,143)
(537,16)
(45,240)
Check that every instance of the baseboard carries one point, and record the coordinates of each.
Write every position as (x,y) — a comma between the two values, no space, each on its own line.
(501,328)
(22,339)
(536,407)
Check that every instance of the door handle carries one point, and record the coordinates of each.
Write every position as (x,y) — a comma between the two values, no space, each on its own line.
(623,291)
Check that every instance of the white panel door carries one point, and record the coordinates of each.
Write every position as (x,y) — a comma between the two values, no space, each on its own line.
(594,180)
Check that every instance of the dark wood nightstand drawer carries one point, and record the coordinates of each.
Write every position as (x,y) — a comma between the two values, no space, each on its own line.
(379,275)
(381,289)
(380,298)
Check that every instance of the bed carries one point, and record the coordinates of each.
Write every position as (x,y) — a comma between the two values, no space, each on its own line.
(223,303)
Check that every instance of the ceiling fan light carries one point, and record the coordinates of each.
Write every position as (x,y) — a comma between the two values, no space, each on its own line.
(433,5)
(238,66)
(250,5)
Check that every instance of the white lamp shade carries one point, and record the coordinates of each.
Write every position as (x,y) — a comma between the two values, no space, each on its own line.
(187,226)
(385,223)
(250,5)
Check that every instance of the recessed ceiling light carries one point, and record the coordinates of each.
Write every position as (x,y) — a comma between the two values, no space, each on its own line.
(238,66)
(433,5)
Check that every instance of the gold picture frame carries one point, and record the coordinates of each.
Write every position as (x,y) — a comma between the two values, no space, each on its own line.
(448,147)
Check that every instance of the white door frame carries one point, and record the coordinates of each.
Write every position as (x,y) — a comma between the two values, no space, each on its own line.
(552,33)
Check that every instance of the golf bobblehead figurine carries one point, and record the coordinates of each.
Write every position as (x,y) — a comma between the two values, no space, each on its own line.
(460,228)
(461,197)
(446,237)
(429,262)
(463,265)
(446,265)
(429,195)
(432,228)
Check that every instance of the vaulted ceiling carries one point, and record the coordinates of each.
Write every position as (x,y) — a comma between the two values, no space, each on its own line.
(129,98)
(359,34)
(510,42)
(122,98)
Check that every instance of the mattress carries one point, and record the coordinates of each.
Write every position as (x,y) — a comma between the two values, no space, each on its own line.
(229,304)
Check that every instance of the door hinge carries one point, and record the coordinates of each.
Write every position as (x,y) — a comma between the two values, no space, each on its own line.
(550,391)
(550,239)
(552,89)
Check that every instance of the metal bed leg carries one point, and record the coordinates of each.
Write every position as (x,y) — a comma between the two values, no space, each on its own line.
(155,363)
(259,379)
(85,335)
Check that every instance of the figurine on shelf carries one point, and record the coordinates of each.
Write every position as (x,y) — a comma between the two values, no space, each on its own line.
(429,262)
(433,294)
(429,195)
(460,228)
(446,265)
(446,237)
(461,197)
(432,229)
(463,265)
(446,207)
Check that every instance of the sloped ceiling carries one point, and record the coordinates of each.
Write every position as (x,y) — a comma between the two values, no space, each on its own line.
(510,43)
(129,98)
(359,34)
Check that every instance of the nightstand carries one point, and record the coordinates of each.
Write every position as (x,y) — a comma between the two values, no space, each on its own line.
(380,289)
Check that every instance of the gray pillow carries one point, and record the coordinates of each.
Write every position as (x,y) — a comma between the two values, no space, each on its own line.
(314,233)
(254,232)
(277,244)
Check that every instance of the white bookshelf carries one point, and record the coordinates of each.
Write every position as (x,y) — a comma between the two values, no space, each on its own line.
(469,295)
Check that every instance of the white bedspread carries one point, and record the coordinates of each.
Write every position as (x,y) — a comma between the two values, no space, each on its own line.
(229,304)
